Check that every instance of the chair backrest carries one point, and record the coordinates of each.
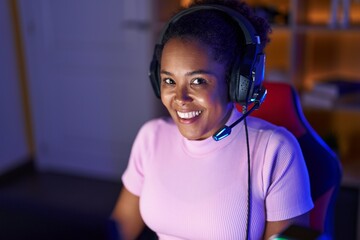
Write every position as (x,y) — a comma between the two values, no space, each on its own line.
(282,107)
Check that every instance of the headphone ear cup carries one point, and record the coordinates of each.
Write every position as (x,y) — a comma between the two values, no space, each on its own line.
(154,73)
(242,89)
(239,85)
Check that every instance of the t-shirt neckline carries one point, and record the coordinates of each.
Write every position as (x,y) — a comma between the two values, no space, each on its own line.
(199,148)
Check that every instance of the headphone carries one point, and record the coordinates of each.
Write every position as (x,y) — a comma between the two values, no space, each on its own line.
(247,72)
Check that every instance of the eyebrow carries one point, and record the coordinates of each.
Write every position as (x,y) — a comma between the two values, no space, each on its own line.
(200,71)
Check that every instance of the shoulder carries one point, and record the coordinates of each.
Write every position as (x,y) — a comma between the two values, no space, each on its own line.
(150,136)
(158,124)
(276,141)
(156,127)
(274,132)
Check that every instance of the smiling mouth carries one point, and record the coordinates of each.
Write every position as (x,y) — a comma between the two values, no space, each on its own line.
(188,115)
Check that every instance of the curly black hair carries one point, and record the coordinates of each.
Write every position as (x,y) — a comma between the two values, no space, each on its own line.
(260,25)
(217,30)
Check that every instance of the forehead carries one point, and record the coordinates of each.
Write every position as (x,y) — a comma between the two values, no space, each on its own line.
(184,58)
(193,51)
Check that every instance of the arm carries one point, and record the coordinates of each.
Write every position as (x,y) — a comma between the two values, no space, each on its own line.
(272,228)
(127,214)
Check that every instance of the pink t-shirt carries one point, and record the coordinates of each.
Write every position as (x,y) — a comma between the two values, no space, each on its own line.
(198,189)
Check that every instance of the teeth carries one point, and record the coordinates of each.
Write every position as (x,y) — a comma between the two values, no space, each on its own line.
(188,115)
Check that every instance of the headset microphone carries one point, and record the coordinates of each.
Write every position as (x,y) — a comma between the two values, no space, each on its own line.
(226,130)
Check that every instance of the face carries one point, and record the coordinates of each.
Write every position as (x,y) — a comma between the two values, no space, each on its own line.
(193,88)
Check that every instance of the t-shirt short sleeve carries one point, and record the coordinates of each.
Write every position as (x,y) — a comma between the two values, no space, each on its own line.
(288,186)
(133,177)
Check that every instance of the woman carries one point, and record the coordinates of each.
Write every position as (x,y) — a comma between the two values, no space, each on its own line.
(182,183)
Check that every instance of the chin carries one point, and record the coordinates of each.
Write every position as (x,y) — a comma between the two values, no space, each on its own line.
(192,138)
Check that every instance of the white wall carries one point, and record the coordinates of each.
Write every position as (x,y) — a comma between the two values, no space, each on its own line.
(13,146)
(87,62)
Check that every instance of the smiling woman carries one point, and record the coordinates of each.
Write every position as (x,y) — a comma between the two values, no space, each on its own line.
(194,89)
(179,181)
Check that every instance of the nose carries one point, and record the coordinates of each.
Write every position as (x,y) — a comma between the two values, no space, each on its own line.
(182,95)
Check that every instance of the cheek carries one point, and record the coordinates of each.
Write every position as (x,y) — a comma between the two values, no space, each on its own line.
(217,97)
(223,94)
(210,101)
(165,98)
(224,91)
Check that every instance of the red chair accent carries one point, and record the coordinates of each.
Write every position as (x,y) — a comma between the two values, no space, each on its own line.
(282,107)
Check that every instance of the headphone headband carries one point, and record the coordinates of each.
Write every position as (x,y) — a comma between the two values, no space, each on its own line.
(246,27)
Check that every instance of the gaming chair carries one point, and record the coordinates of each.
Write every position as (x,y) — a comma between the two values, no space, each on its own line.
(282,107)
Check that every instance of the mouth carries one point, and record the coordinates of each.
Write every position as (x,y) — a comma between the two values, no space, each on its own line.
(188,115)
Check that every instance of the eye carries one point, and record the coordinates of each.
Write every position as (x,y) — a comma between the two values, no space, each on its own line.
(198,81)
(168,81)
